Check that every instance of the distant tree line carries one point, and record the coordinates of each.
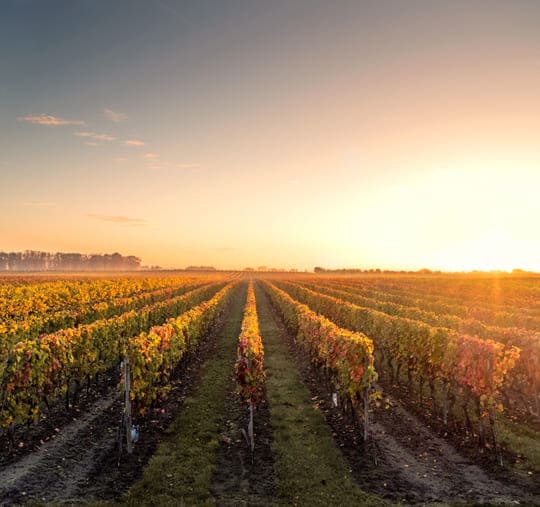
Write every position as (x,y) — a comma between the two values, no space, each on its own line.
(423,271)
(31,260)
(265,269)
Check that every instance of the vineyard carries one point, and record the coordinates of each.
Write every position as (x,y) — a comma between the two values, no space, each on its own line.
(270,389)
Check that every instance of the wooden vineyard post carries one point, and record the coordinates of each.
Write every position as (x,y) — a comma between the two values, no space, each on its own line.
(445,406)
(250,429)
(366,413)
(535,389)
(127,414)
(249,435)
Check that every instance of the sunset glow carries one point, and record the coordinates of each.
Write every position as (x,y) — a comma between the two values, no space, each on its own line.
(287,134)
(235,230)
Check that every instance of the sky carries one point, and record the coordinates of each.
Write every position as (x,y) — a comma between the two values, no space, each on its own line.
(285,133)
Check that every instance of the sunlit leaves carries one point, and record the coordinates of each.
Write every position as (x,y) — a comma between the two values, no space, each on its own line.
(346,355)
(154,355)
(249,369)
(35,369)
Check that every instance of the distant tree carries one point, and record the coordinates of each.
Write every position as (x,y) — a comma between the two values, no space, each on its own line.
(31,260)
(4,261)
(133,263)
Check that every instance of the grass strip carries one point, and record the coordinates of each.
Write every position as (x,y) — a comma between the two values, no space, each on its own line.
(310,468)
(181,470)
(522,440)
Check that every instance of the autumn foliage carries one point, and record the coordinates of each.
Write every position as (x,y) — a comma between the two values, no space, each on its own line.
(154,354)
(465,364)
(346,356)
(39,370)
(249,369)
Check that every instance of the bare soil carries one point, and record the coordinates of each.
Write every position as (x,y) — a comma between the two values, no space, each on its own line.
(406,461)
(73,457)
(242,477)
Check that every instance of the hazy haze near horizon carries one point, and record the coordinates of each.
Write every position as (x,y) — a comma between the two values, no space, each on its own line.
(286,133)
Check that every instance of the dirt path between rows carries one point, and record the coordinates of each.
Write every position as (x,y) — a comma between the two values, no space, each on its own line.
(58,467)
(435,470)
(80,462)
(404,460)
(309,467)
(240,477)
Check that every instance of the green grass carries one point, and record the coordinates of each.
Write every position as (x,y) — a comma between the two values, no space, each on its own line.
(181,470)
(522,440)
(310,468)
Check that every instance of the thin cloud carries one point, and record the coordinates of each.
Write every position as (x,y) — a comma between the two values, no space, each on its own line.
(91,143)
(121,220)
(97,137)
(37,204)
(157,166)
(115,116)
(173,11)
(135,142)
(155,163)
(49,120)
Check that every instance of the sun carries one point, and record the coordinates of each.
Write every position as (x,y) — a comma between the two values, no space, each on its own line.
(492,251)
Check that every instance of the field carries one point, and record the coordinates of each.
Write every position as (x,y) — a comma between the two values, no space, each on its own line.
(237,388)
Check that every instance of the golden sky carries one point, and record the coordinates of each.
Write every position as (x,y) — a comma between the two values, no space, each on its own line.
(397,135)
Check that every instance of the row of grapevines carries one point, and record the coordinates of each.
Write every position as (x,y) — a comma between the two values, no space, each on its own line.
(19,301)
(506,290)
(524,382)
(32,326)
(346,356)
(249,368)
(465,365)
(36,370)
(384,303)
(479,309)
(154,354)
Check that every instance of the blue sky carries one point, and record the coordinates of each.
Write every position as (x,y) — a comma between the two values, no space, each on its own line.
(288,133)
